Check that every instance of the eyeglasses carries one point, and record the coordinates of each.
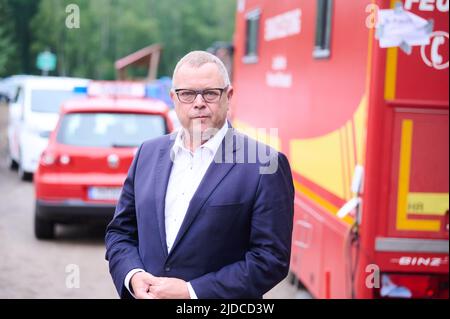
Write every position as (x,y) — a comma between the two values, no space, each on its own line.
(209,95)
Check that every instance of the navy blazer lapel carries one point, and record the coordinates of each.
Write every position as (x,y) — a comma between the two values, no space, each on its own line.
(213,176)
(162,174)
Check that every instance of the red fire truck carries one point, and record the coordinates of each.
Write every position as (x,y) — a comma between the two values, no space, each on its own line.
(366,131)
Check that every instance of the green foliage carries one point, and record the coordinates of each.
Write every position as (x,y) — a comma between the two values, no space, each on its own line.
(192,25)
(7,48)
(111,29)
(15,35)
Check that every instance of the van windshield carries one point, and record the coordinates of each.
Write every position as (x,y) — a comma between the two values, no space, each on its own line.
(49,101)
(109,129)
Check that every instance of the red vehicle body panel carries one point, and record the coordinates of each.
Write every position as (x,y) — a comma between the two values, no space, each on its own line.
(378,108)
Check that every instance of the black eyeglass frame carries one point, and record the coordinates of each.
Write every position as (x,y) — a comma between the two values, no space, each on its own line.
(201,92)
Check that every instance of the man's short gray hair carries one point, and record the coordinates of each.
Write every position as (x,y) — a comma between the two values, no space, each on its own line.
(197,58)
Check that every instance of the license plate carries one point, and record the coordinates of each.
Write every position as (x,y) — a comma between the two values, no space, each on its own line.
(104,193)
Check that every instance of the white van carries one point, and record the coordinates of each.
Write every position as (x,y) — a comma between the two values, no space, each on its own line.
(33,114)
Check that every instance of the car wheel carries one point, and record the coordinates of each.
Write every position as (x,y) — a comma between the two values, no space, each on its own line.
(12,164)
(43,228)
(23,175)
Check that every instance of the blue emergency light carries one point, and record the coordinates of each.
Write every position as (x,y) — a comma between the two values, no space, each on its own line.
(158,89)
(80,89)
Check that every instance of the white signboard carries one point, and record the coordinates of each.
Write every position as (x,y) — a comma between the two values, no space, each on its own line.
(401,28)
(283,25)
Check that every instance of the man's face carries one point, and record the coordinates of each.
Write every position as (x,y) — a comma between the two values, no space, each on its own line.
(201,116)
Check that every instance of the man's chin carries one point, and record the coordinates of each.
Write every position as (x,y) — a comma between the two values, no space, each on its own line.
(203,133)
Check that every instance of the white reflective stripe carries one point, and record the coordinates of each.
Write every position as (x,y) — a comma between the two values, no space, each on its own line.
(411,245)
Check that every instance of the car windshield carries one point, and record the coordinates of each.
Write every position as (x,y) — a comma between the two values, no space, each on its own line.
(49,101)
(109,129)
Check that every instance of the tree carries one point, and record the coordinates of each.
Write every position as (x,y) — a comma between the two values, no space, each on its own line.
(111,29)
(15,35)
(7,48)
(191,25)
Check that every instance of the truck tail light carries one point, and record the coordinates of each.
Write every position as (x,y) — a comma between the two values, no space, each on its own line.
(413,286)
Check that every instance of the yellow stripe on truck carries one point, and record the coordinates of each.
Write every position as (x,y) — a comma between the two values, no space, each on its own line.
(403,222)
(322,202)
(433,204)
(321,160)
(262,135)
(390,82)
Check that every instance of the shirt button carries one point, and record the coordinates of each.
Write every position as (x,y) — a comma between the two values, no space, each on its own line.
(167,268)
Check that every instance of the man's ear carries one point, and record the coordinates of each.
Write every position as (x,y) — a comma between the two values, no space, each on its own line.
(173,97)
(230,92)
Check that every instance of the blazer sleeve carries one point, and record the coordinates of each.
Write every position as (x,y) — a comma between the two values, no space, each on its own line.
(122,235)
(267,260)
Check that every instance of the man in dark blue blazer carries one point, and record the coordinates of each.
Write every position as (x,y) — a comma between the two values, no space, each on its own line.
(206,212)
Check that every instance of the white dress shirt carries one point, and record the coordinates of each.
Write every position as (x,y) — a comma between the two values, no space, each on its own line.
(187,172)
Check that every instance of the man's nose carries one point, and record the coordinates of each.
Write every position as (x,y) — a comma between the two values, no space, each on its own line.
(199,101)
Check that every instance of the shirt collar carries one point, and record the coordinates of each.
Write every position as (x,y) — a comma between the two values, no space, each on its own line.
(212,144)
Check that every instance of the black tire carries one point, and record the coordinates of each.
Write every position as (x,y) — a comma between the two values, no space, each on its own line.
(23,175)
(43,228)
(12,164)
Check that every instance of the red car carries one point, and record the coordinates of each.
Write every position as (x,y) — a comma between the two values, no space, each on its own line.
(81,172)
